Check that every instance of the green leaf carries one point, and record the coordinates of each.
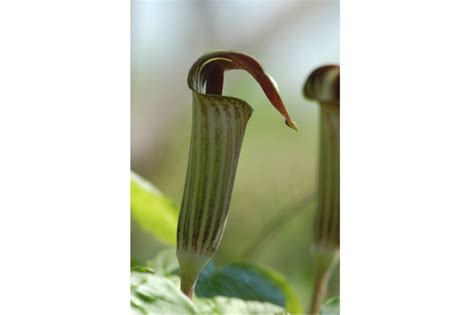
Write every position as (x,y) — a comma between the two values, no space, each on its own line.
(152,211)
(227,305)
(250,283)
(244,281)
(236,288)
(154,294)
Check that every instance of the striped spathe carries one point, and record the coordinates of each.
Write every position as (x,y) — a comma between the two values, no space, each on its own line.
(218,128)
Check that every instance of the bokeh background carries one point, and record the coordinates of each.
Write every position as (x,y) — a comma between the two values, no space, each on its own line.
(270,218)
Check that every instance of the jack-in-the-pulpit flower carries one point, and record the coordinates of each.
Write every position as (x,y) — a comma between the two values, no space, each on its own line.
(323,86)
(218,127)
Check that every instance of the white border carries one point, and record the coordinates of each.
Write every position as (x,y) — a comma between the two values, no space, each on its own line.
(407,157)
(65,161)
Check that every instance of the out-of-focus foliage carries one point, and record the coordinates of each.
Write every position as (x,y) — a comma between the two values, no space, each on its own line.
(154,294)
(153,211)
(241,281)
(331,306)
(227,305)
(165,263)
(235,288)
(249,282)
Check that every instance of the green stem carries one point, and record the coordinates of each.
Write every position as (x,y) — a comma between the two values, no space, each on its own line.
(325,263)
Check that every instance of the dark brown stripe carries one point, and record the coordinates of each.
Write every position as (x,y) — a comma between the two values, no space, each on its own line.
(231,172)
(223,200)
(202,185)
(189,182)
(217,164)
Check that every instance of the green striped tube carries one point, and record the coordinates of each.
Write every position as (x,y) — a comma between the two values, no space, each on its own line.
(218,128)
(217,133)
(326,225)
(323,86)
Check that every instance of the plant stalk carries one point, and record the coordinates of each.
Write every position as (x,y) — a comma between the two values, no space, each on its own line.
(326,262)
(323,86)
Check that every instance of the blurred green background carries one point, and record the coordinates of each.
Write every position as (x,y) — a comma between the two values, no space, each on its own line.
(277,168)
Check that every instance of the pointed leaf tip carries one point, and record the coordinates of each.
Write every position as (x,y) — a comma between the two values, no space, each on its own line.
(290,123)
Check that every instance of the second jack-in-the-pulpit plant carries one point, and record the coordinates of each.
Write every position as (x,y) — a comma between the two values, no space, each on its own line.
(218,127)
(323,86)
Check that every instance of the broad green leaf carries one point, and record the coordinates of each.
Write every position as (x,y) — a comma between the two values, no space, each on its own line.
(244,281)
(227,305)
(250,283)
(152,211)
(236,288)
(154,294)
